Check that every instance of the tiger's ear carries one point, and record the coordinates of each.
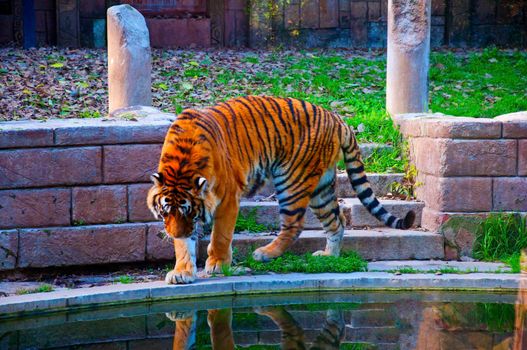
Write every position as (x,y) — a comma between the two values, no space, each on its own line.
(201,186)
(157,179)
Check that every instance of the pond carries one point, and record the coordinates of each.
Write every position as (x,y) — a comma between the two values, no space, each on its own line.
(352,320)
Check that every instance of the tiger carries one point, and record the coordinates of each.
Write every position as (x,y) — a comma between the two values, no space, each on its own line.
(212,157)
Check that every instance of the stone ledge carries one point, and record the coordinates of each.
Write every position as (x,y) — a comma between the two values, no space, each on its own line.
(374,244)
(132,125)
(16,306)
(514,125)
(443,126)
(437,125)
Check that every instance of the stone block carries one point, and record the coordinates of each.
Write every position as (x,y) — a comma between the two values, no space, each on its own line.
(360,217)
(455,193)
(8,249)
(359,32)
(99,205)
(432,219)
(446,157)
(380,184)
(438,21)
(522,157)
(130,163)
(44,5)
(329,17)
(373,318)
(344,19)
(514,125)
(12,137)
(459,233)
(510,11)
(374,11)
(83,245)
(137,208)
(384,10)
(34,208)
(377,34)
(292,16)
(510,193)
(113,132)
(129,58)
(441,126)
(309,14)
(459,28)
(93,9)
(485,12)
(158,246)
(359,10)
(197,32)
(50,166)
(438,7)
(437,34)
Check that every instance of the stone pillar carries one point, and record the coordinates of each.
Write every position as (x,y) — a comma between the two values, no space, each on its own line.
(408,56)
(129,58)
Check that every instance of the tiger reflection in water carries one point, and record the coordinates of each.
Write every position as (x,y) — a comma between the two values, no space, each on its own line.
(292,338)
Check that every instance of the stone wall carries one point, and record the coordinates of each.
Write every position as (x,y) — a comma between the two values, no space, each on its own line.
(73,191)
(363,23)
(467,167)
(306,23)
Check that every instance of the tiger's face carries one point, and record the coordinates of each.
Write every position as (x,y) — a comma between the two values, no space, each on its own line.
(180,207)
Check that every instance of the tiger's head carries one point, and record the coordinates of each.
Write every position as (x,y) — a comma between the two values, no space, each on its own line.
(181,206)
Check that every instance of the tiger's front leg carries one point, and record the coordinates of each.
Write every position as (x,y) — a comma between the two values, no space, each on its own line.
(219,249)
(185,269)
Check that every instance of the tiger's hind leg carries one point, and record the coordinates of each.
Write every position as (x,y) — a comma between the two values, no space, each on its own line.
(325,206)
(293,199)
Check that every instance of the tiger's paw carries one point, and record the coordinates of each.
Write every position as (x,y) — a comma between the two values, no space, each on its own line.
(321,253)
(215,266)
(177,276)
(264,254)
(179,315)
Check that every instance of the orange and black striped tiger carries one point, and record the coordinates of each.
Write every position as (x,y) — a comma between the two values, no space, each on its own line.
(213,156)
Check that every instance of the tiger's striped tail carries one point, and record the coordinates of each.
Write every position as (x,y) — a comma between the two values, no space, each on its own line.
(361,185)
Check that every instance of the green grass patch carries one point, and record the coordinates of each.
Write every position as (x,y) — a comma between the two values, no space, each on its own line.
(44,288)
(442,270)
(307,263)
(246,222)
(125,279)
(501,237)
(480,84)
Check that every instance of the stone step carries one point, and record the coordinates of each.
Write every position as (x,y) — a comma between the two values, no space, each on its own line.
(373,244)
(380,184)
(267,213)
(373,318)
(375,335)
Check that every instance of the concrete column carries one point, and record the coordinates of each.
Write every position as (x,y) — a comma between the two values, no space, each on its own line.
(129,58)
(408,56)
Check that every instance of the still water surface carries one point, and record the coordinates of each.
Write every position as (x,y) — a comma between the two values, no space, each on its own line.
(354,320)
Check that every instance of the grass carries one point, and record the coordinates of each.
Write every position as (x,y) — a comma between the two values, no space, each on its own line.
(501,237)
(125,279)
(443,270)
(44,288)
(246,222)
(483,83)
(307,263)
